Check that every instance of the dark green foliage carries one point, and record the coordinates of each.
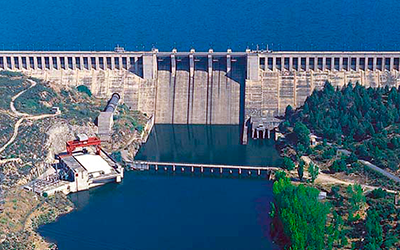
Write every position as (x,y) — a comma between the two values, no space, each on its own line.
(117,157)
(337,198)
(313,170)
(381,231)
(288,112)
(288,164)
(10,73)
(279,175)
(84,89)
(364,120)
(336,232)
(298,207)
(302,134)
(33,101)
(374,238)
(8,88)
(328,153)
(356,197)
(378,193)
(300,169)
(338,166)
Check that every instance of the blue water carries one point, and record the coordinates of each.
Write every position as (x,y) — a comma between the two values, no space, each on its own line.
(284,25)
(158,210)
(183,212)
(213,144)
(168,212)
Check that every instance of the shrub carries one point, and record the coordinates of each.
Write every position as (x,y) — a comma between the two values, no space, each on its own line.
(84,89)
(378,193)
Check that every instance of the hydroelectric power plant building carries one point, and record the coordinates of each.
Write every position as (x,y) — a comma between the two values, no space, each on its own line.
(207,87)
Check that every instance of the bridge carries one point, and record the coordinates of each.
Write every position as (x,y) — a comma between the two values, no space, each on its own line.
(202,168)
(208,87)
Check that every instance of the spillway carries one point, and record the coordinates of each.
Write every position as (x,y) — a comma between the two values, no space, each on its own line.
(207,87)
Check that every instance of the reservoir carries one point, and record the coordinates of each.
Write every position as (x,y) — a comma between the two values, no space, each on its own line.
(152,210)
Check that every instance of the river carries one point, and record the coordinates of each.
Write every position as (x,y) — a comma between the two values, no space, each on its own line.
(151,210)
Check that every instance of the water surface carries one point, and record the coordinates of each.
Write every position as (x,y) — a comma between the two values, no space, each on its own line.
(212,144)
(167,212)
(177,211)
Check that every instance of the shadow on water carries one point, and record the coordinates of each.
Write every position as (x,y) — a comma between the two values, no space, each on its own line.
(176,210)
(207,144)
(149,211)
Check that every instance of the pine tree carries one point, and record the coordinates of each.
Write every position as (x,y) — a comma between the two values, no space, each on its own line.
(313,170)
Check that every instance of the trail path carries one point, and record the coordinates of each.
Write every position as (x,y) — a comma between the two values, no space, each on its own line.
(327,179)
(23,116)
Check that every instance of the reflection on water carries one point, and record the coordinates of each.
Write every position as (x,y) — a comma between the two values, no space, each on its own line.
(171,211)
(168,212)
(208,144)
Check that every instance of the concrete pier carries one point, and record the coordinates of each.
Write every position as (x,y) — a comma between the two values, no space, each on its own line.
(201,168)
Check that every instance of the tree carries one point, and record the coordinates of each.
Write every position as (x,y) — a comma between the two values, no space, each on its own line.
(300,169)
(378,193)
(338,166)
(84,89)
(288,164)
(302,133)
(280,175)
(313,170)
(298,207)
(374,237)
(356,197)
(288,112)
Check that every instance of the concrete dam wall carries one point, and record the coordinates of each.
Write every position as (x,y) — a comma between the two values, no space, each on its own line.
(199,89)
(207,87)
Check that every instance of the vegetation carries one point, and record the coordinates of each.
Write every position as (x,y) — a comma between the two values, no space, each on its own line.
(348,218)
(130,119)
(313,170)
(84,89)
(74,105)
(10,73)
(297,207)
(300,169)
(352,123)
(364,119)
(10,87)
(288,163)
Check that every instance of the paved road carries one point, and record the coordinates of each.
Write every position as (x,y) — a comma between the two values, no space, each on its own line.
(380,170)
(373,167)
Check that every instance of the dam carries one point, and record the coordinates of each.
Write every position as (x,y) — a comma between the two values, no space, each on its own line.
(207,87)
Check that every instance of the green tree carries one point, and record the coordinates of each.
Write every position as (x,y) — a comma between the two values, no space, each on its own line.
(302,133)
(84,89)
(298,207)
(288,112)
(288,163)
(313,170)
(280,175)
(300,169)
(356,197)
(374,237)
(338,166)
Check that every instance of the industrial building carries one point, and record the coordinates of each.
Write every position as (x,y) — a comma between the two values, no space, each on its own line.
(84,165)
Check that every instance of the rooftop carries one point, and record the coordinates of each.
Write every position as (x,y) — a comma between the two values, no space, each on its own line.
(93,163)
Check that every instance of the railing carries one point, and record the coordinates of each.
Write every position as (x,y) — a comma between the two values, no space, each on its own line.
(194,167)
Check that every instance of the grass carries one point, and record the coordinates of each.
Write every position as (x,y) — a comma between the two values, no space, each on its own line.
(10,87)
